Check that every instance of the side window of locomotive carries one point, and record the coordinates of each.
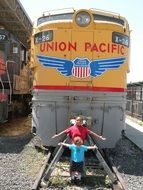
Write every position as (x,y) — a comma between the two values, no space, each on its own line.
(14,48)
(24,56)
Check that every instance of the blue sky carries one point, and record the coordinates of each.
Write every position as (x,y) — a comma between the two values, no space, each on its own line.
(131,10)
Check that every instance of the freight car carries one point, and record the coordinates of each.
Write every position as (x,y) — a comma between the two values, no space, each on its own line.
(80,59)
(15,76)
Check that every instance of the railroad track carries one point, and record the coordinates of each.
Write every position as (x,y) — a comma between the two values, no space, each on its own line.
(120,185)
(126,156)
(97,175)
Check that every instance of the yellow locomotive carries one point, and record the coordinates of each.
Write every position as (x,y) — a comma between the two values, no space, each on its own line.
(80,59)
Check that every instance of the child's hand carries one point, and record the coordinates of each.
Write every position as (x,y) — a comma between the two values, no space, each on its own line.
(95,147)
(103,138)
(60,144)
(54,136)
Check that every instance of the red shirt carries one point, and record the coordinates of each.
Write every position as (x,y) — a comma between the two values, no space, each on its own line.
(75,130)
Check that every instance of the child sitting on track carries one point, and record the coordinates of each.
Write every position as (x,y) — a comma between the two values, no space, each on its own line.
(77,158)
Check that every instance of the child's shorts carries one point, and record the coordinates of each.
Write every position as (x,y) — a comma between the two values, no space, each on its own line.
(77,166)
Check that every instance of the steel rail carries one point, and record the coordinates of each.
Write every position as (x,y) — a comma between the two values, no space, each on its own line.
(41,172)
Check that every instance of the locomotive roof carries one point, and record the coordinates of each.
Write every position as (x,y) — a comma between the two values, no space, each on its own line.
(72,10)
(15,19)
(98,13)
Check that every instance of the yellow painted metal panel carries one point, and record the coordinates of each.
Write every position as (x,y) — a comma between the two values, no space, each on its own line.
(83,44)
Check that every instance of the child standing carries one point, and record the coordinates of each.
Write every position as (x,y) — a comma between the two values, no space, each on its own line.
(78,129)
(77,157)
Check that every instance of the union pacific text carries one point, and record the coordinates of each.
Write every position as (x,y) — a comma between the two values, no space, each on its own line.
(87,47)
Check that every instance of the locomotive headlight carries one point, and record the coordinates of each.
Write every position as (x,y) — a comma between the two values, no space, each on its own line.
(83,19)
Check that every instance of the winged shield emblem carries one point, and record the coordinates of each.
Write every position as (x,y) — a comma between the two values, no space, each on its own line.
(81,67)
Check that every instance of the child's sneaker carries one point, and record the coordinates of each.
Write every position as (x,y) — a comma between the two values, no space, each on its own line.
(78,177)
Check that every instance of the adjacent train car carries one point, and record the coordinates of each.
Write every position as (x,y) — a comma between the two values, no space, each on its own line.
(15,76)
(80,60)
(134,106)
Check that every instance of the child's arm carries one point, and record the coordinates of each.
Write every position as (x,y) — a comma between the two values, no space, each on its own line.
(57,135)
(92,147)
(96,135)
(64,144)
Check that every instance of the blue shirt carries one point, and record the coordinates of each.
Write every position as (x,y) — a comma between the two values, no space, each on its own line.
(77,153)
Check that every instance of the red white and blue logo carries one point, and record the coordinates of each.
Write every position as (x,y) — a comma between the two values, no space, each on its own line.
(81,67)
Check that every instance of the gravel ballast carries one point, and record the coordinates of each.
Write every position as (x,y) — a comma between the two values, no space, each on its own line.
(20,163)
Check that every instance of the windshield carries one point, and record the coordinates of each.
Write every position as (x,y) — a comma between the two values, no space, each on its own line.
(67,16)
